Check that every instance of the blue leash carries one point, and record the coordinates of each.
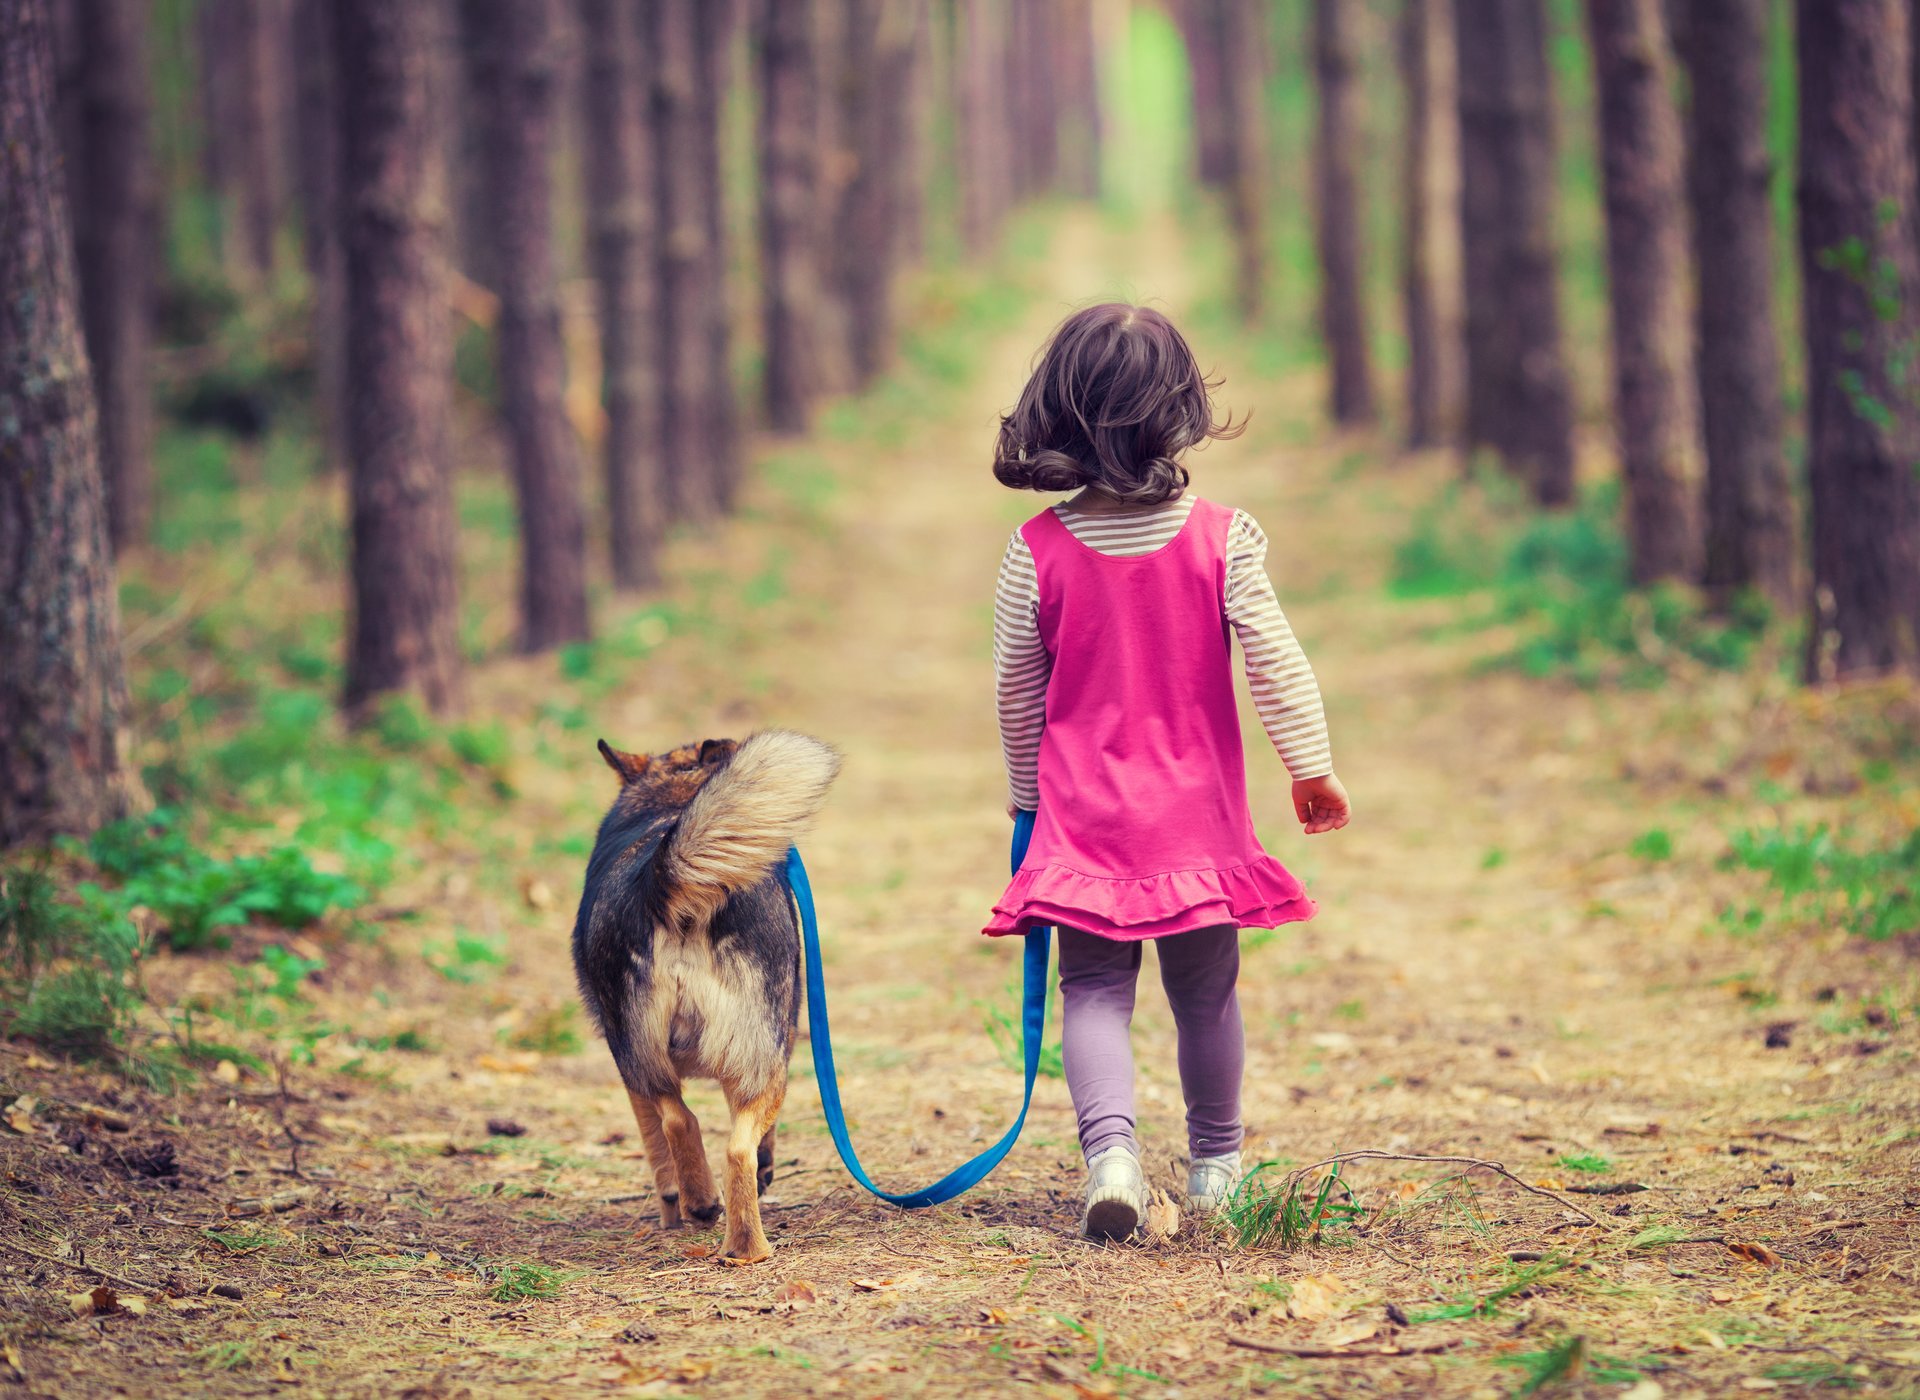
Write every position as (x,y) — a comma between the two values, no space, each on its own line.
(1033,1025)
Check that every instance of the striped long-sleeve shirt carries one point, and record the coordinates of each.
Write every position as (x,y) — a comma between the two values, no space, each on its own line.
(1284,690)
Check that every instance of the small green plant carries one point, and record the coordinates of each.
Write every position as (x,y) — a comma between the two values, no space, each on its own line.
(1006,1038)
(1275,1208)
(1562,1363)
(552,1031)
(68,980)
(515,1283)
(227,1356)
(1586,1162)
(1814,879)
(467,959)
(1488,1304)
(1652,846)
(234,1242)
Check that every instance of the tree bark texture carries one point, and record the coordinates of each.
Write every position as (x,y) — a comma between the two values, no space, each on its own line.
(620,237)
(1343,321)
(790,219)
(880,38)
(1518,398)
(1430,252)
(1750,537)
(1642,179)
(984,138)
(683,354)
(317,155)
(399,353)
(515,52)
(112,192)
(63,693)
(1858,269)
(236,41)
(715,33)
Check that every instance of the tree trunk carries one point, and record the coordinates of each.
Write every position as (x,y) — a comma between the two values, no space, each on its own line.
(317,153)
(789,118)
(1655,410)
(111,188)
(1242,92)
(514,49)
(1858,270)
(880,38)
(236,39)
(1518,398)
(620,237)
(683,355)
(1750,528)
(1029,90)
(984,139)
(1078,95)
(1206,76)
(1430,254)
(725,457)
(1343,321)
(399,353)
(63,694)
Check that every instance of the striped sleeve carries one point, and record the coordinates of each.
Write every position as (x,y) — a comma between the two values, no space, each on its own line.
(1284,690)
(1021,667)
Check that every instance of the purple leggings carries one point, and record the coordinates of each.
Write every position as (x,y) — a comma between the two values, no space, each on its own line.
(1199,970)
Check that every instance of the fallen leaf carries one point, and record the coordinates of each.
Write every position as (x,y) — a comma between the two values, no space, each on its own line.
(873,1285)
(1351,1333)
(13,1367)
(539,895)
(992,1317)
(794,1295)
(1646,1388)
(19,1114)
(1407,1190)
(873,1365)
(1551,1183)
(100,1300)
(227,1072)
(1163,1217)
(697,1251)
(690,1369)
(1754,1253)
(1316,1296)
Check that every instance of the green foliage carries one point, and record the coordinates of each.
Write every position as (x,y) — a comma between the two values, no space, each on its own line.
(67,981)
(1590,1162)
(1561,1364)
(1653,845)
(1005,1033)
(1284,1211)
(1561,581)
(554,1031)
(516,1283)
(467,959)
(1520,1281)
(1815,880)
(196,897)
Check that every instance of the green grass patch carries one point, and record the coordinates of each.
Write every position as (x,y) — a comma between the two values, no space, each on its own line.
(1589,1162)
(517,1283)
(1274,1209)
(1814,880)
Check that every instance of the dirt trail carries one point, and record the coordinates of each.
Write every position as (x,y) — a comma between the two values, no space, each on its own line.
(1490,975)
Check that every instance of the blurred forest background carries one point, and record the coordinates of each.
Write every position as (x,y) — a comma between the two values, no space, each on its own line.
(395,397)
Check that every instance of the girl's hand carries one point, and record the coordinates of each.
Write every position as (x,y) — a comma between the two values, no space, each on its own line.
(1321,804)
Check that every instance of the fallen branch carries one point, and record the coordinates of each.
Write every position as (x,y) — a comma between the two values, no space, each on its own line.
(135,1284)
(1375,1154)
(1333,1353)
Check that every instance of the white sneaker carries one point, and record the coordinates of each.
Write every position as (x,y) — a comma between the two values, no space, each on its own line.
(1211,1182)
(1116,1197)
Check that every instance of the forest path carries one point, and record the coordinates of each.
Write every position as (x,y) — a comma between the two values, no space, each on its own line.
(1490,975)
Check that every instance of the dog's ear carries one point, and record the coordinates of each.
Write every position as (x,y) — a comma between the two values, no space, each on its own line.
(630,766)
(714,752)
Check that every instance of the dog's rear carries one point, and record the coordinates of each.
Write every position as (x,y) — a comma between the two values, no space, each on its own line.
(688,953)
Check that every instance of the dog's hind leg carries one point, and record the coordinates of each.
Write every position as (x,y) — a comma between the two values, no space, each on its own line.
(666,1180)
(765,1159)
(752,1135)
(682,1130)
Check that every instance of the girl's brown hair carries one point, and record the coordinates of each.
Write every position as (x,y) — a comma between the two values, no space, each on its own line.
(1115,399)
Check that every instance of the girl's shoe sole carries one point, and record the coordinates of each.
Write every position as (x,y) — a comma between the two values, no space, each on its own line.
(1111,1220)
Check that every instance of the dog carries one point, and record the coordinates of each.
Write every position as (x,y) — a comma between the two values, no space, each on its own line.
(687,951)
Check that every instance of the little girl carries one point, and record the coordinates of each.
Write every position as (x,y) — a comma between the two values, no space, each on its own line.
(1120,730)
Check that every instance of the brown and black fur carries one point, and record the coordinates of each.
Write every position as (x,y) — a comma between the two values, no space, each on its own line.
(687,949)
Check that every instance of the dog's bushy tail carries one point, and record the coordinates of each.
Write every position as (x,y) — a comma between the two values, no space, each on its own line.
(740,824)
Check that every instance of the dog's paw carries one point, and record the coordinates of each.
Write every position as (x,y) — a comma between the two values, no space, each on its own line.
(747,1252)
(706,1214)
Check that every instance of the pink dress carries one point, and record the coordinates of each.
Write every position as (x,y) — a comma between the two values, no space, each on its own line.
(1143,828)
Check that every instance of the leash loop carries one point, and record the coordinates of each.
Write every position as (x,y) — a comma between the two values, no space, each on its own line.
(1033,1025)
